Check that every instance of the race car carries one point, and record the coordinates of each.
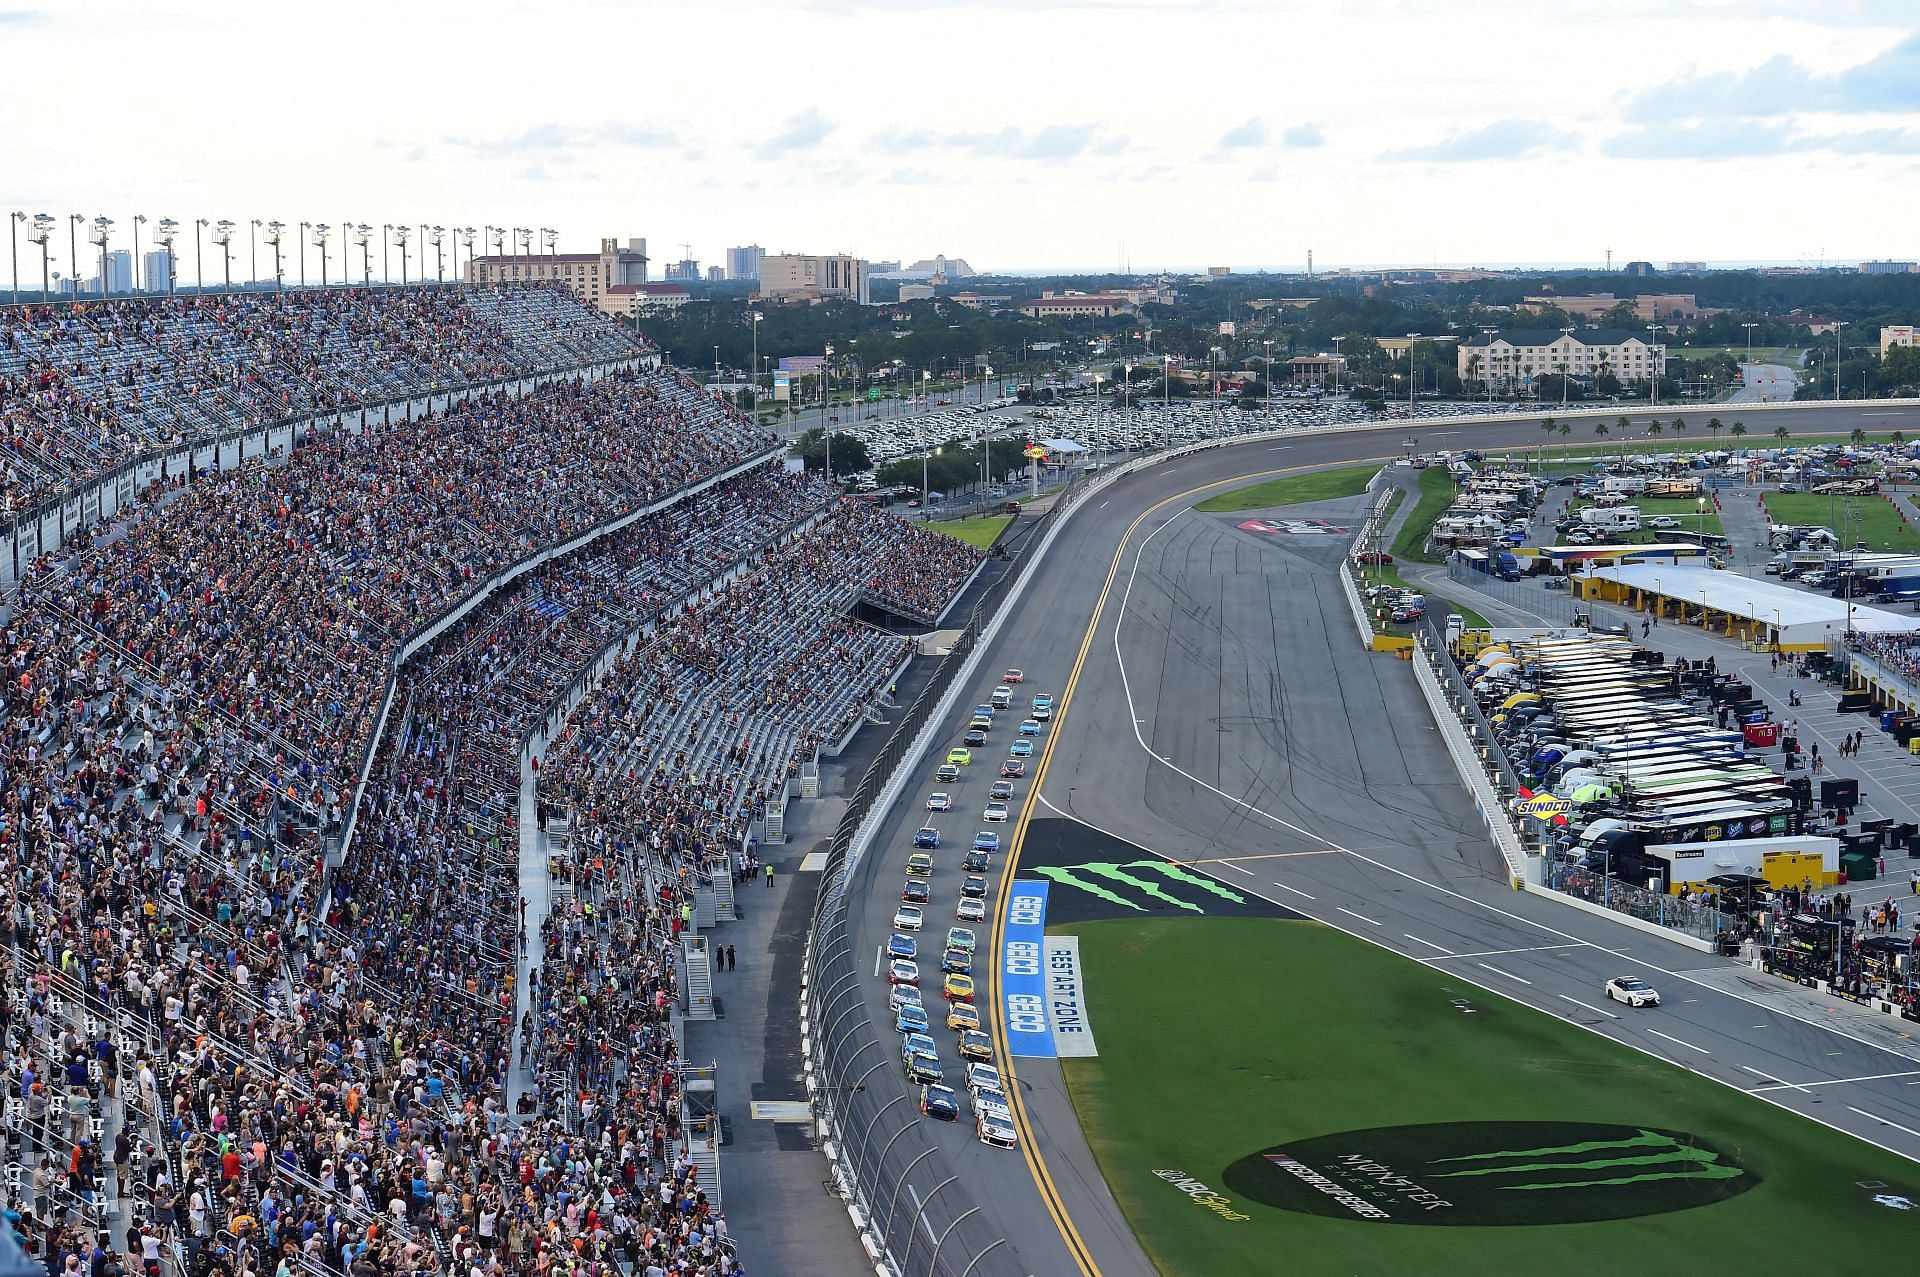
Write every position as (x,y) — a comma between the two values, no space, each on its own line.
(907,918)
(1014,768)
(976,862)
(960,938)
(960,756)
(975,1045)
(973,885)
(926,836)
(920,863)
(986,840)
(1633,991)
(984,1077)
(941,1102)
(976,737)
(900,971)
(1013,676)
(995,812)
(1002,791)
(989,1100)
(916,892)
(970,910)
(902,995)
(940,801)
(995,1130)
(1021,748)
(960,960)
(946,773)
(1029,727)
(956,988)
(899,946)
(910,1018)
(962,1016)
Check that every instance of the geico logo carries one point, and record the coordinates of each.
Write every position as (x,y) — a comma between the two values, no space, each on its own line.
(1023,958)
(1025,1013)
(1024,911)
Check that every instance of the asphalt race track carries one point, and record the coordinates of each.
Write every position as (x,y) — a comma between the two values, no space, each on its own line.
(1224,717)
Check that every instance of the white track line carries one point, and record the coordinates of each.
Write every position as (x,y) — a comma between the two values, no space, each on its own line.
(1677,1042)
(1782,1083)
(1236,868)
(1430,944)
(1510,975)
(1351,914)
(1495,953)
(1874,1117)
(1295,890)
(1588,1005)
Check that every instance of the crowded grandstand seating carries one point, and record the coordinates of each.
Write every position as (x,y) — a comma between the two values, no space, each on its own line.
(84,387)
(255,1060)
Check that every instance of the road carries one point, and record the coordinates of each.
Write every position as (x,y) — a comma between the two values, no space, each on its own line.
(1764,383)
(1317,783)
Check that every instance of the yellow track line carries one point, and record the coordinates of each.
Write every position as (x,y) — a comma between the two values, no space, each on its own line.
(1029,1148)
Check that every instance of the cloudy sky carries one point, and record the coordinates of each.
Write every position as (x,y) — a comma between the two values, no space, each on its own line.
(1016,133)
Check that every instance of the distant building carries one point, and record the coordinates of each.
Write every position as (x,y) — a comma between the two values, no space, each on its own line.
(982,301)
(1315,369)
(1892,335)
(716,274)
(119,276)
(589,275)
(1686,268)
(1219,272)
(1077,305)
(915,292)
(1648,306)
(744,262)
(633,299)
(1517,356)
(684,271)
(1888,268)
(157,269)
(1638,269)
(804,277)
(1397,346)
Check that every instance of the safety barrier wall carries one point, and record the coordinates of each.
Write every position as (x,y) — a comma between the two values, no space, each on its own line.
(1490,803)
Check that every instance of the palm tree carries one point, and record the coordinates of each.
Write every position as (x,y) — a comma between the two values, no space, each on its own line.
(1739,429)
(1679,426)
(1780,433)
(1713,424)
(1599,427)
(1547,426)
(1654,428)
(1858,436)
(1899,436)
(1624,425)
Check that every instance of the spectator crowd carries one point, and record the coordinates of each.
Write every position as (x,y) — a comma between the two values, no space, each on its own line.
(264,1052)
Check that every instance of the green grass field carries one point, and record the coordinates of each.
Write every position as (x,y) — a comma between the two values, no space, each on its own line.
(1436,494)
(982,532)
(1321,485)
(1224,1038)
(1872,519)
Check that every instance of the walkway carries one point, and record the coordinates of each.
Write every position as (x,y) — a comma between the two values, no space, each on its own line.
(536,889)
(1764,383)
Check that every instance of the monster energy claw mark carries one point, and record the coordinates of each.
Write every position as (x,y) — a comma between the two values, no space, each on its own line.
(1072,876)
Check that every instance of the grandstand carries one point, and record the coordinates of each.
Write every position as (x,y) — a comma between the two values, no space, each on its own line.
(271,999)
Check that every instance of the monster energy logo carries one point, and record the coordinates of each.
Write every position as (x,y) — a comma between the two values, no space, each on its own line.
(1665,1156)
(1491,1173)
(1139,875)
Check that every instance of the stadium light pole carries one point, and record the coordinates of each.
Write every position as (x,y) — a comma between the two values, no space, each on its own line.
(102,229)
(253,252)
(437,236)
(1653,367)
(362,233)
(1838,324)
(826,393)
(400,234)
(274,232)
(73,250)
(199,275)
(523,242)
(223,236)
(551,239)
(320,233)
(139,220)
(13,237)
(462,235)
(42,230)
(169,229)
(301,240)
(499,241)
(1564,332)
(757,317)
(1412,339)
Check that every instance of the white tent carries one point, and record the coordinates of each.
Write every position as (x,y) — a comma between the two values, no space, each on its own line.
(1802,617)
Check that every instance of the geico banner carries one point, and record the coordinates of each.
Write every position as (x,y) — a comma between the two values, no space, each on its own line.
(1023,984)
(1066,999)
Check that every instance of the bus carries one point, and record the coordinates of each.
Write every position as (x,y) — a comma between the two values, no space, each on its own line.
(1682,536)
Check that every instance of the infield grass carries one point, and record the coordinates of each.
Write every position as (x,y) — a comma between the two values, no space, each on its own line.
(1320,485)
(1436,494)
(1224,1037)
(981,532)
(1872,519)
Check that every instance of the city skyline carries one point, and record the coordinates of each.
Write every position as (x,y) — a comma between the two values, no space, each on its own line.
(1389,134)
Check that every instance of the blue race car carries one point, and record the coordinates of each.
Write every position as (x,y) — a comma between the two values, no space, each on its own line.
(926,836)
(1020,748)
(985,841)
(899,946)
